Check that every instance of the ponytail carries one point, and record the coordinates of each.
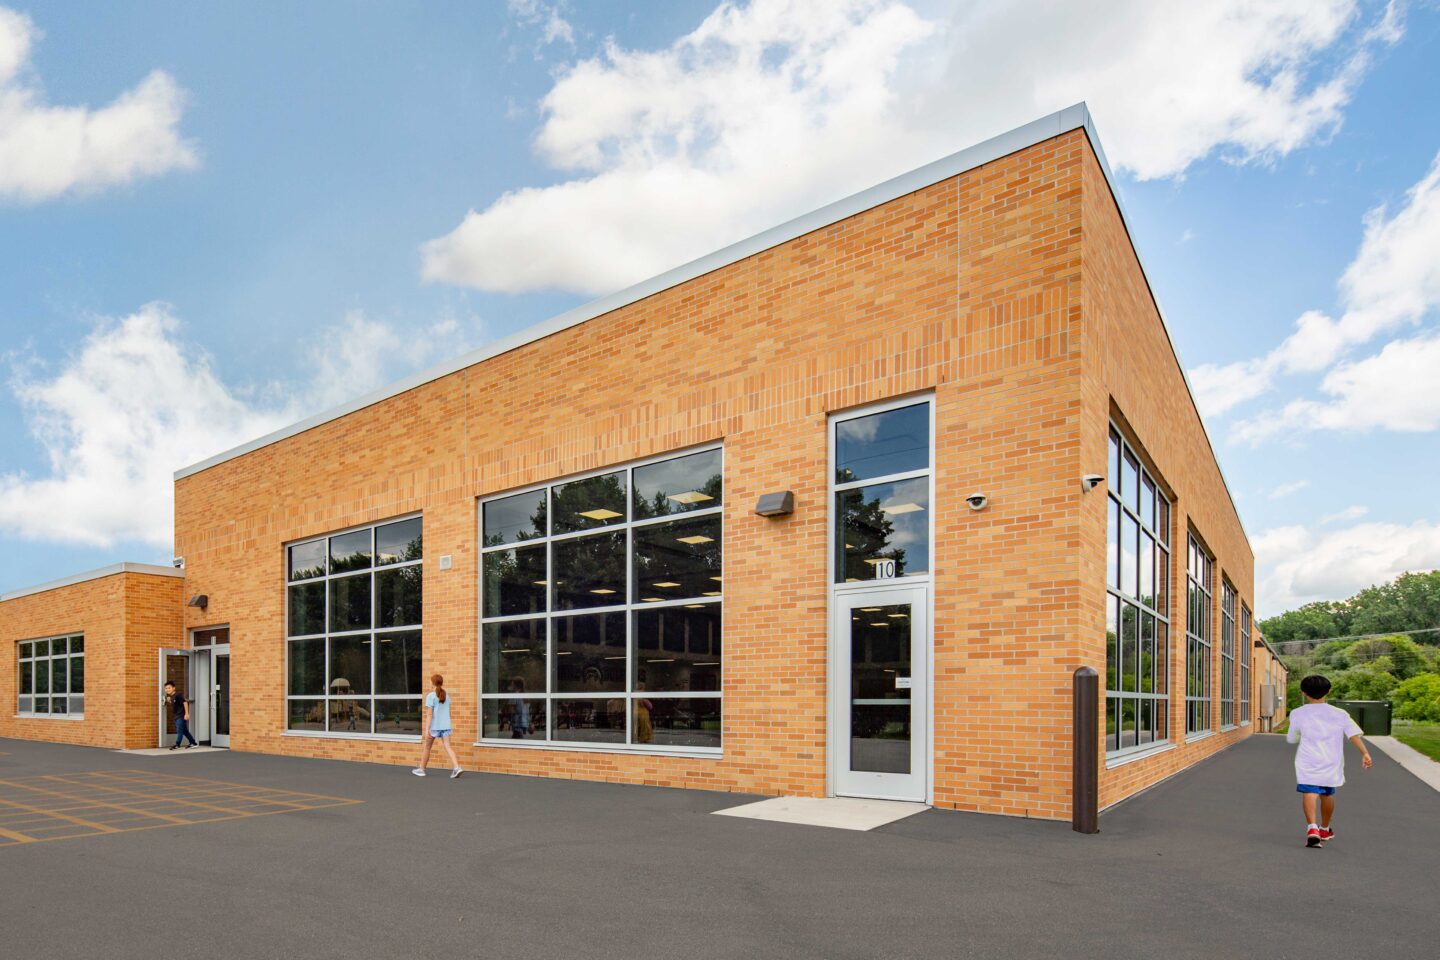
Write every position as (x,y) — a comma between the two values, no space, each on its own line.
(439,683)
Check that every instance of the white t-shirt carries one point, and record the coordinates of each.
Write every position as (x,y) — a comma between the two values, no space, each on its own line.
(1321,730)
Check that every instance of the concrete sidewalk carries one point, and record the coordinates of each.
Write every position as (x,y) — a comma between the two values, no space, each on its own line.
(1209,864)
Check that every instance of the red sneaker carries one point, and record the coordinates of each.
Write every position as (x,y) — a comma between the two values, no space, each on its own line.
(1326,833)
(1313,837)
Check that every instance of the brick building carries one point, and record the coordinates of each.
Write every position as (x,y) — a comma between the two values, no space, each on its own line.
(912,385)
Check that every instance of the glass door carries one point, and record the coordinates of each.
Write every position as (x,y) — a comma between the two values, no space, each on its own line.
(881,696)
(220,699)
(174,668)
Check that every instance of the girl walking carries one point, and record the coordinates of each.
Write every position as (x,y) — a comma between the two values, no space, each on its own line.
(437,726)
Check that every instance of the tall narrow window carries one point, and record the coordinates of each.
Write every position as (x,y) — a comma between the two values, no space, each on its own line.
(1198,642)
(353,628)
(1246,658)
(600,610)
(1137,620)
(882,494)
(1229,694)
(51,681)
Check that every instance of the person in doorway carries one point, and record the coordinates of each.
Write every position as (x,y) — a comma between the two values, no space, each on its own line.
(437,726)
(1321,730)
(180,707)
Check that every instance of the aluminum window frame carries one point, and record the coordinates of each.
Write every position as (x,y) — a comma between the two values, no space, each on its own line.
(373,631)
(630,609)
(1229,693)
(1199,639)
(49,659)
(1160,529)
(1247,652)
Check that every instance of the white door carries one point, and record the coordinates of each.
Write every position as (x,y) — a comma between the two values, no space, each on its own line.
(880,701)
(220,697)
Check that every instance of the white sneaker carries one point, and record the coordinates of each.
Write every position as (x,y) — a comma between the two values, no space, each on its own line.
(418,772)
(455,773)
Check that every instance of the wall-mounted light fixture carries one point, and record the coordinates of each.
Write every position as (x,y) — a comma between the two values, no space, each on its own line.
(775,504)
(1090,481)
(200,600)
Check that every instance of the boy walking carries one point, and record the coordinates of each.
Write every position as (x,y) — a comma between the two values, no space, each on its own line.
(1321,730)
(181,708)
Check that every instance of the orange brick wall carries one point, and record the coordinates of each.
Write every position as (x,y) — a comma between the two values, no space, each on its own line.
(972,289)
(123,617)
(1131,376)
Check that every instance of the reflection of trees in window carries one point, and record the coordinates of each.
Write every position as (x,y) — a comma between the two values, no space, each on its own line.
(868,532)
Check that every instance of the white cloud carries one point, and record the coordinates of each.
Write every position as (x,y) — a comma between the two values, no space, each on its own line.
(547,16)
(47,151)
(1300,565)
(1393,281)
(774,107)
(135,402)
(1349,513)
(1286,489)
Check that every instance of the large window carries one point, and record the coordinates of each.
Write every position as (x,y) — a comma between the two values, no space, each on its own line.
(51,677)
(1228,692)
(1198,643)
(601,609)
(353,619)
(1246,658)
(1137,621)
(882,494)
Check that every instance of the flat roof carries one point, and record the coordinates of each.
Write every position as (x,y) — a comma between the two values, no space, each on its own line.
(1076,117)
(110,571)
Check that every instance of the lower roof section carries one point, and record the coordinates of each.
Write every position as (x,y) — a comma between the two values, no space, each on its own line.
(114,568)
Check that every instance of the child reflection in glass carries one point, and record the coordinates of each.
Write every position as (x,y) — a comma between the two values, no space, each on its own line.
(519,710)
(644,730)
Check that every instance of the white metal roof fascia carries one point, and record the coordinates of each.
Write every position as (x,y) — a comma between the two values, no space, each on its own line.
(1036,131)
(110,571)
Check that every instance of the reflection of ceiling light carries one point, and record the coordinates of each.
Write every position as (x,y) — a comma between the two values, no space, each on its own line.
(614,658)
(852,579)
(562,653)
(539,583)
(690,496)
(709,663)
(695,539)
(888,670)
(671,660)
(601,514)
(851,546)
(893,615)
(902,508)
(718,579)
(602,591)
(651,599)
(869,609)
(882,624)
(695,606)
(711,593)
(516,650)
(667,583)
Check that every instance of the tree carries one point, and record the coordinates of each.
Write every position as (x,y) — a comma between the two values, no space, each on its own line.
(1419,698)
(1313,621)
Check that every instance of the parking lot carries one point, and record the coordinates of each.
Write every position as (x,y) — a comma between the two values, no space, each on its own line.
(239,855)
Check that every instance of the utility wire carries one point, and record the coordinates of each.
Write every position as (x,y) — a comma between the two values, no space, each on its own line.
(1355,636)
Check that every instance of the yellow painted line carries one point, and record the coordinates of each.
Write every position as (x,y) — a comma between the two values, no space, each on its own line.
(59,816)
(132,793)
(246,786)
(162,826)
(268,796)
(16,837)
(71,796)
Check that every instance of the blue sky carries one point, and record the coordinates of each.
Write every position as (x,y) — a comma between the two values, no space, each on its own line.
(216,220)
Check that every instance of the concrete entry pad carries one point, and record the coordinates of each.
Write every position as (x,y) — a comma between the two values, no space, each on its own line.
(167,752)
(841,813)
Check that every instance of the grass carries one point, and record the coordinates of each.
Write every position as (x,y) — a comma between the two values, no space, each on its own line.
(1424,737)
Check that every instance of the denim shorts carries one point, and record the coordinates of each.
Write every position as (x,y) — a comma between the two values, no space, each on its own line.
(437,734)
(1311,788)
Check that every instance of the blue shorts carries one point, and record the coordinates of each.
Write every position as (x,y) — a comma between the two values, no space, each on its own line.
(437,734)
(1311,788)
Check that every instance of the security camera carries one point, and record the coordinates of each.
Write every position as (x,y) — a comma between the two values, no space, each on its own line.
(977,501)
(178,563)
(1090,481)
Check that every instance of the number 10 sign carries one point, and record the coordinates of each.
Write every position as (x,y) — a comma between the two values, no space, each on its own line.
(884,569)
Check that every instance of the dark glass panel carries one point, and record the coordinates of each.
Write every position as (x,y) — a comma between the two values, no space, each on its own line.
(42,648)
(350,603)
(513,657)
(589,653)
(686,483)
(307,560)
(678,648)
(42,676)
(1112,545)
(350,551)
(1129,646)
(511,519)
(514,581)
(1112,647)
(684,722)
(397,600)
(589,503)
(307,667)
(27,678)
(881,444)
(399,542)
(305,715)
(59,675)
(589,721)
(350,715)
(398,717)
(398,663)
(590,571)
(349,666)
(677,559)
(887,521)
(307,608)
(513,718)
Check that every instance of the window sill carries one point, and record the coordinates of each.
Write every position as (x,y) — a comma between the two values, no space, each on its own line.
(49,716)
(381,737)
(1121,759)
(1202,735)
(1225,729)
(693,753)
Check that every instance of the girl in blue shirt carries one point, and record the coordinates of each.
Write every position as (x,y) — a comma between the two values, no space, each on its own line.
(437,726)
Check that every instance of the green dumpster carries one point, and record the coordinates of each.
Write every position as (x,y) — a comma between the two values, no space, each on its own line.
(1373,716)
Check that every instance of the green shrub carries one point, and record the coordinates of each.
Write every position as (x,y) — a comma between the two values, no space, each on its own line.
(1363,683)
(1418,698)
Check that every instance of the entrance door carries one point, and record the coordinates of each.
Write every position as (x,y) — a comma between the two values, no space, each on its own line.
(880,702)
(174,668)
(220,700)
